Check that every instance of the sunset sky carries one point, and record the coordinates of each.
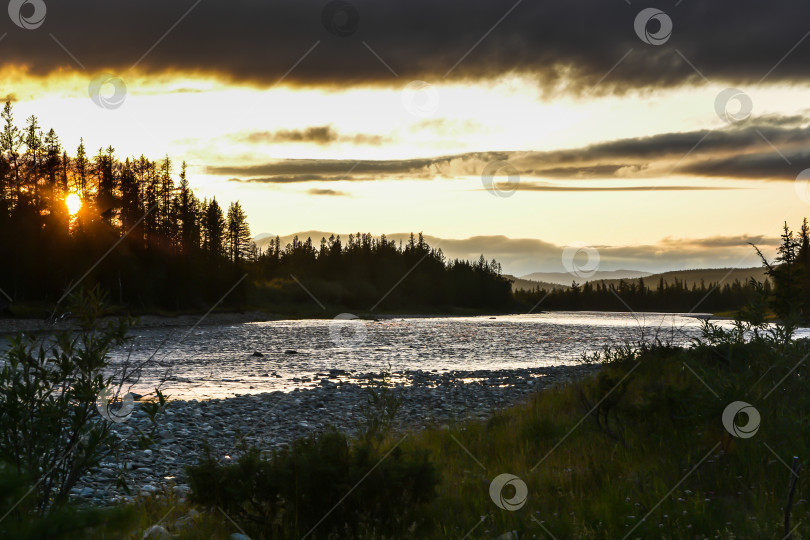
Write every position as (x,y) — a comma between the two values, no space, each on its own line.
(386,117)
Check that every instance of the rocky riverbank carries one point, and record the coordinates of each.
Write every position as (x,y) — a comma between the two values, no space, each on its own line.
(272,420)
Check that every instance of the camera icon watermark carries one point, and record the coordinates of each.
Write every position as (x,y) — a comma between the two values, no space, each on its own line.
(751,426)
(502,189)
(340,18)
(572,260)
(112,410)
(643,22)
(27,14)
(420,99)
(726,113)
(517,500)
(102,82)
(802,185)
(347,330)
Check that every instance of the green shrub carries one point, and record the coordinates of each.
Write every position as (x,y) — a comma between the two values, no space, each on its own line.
(321,483)
(50,432)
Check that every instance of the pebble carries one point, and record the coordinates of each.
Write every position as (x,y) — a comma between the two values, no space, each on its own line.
(273,420)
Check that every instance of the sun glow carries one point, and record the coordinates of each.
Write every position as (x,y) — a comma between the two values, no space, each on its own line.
(73,203)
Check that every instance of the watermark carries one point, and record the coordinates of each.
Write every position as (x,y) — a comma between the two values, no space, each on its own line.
(572,260)
(420,99)
(105,100)
(734,409)
(645,19)
(502,189)
(347,330)
(726,113)
(802,185)
(516,501)
(105,400)
(340,18)
(27,14)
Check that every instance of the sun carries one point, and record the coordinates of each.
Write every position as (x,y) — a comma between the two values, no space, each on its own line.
(74,203)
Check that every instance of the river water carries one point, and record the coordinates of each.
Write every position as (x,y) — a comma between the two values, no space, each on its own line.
(225,360)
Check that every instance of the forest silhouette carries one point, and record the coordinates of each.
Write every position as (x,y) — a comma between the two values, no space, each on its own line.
(175,252)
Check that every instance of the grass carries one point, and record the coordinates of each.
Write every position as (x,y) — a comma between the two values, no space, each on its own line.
(637,450)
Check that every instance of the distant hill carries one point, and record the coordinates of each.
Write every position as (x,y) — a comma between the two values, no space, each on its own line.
(689,277)
(707,275)
(564,278)
(527,284)
(261,238)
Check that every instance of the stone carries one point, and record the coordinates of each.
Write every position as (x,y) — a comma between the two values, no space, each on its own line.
(273,420)
(257,354)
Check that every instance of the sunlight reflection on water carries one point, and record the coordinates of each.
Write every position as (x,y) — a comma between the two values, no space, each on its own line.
(216,361)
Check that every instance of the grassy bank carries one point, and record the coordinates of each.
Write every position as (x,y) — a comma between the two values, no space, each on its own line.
(638,450)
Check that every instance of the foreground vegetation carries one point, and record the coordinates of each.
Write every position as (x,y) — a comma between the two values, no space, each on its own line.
(637,450)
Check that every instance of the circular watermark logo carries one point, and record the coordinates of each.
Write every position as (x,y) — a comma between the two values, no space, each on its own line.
(728,113)
(516,501)
(99,91)
(340,18)
(347,330)
(114,411)
(498,168)
(751,426)
(580,259)
(802,185)
(27,14)
(648,17)
(420,98)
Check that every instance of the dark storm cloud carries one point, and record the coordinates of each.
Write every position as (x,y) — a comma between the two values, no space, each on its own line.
(576,42)
(767,148)
(759,166)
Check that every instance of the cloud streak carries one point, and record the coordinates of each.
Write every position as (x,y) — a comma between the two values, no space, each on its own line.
(320,135)
(742,151)
(328,192)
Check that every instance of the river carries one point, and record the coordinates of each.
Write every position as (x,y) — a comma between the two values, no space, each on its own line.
(225,360)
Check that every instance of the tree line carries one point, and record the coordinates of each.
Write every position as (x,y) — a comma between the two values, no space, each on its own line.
(665,296)
(784,295)
(367,272)
(173,251)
